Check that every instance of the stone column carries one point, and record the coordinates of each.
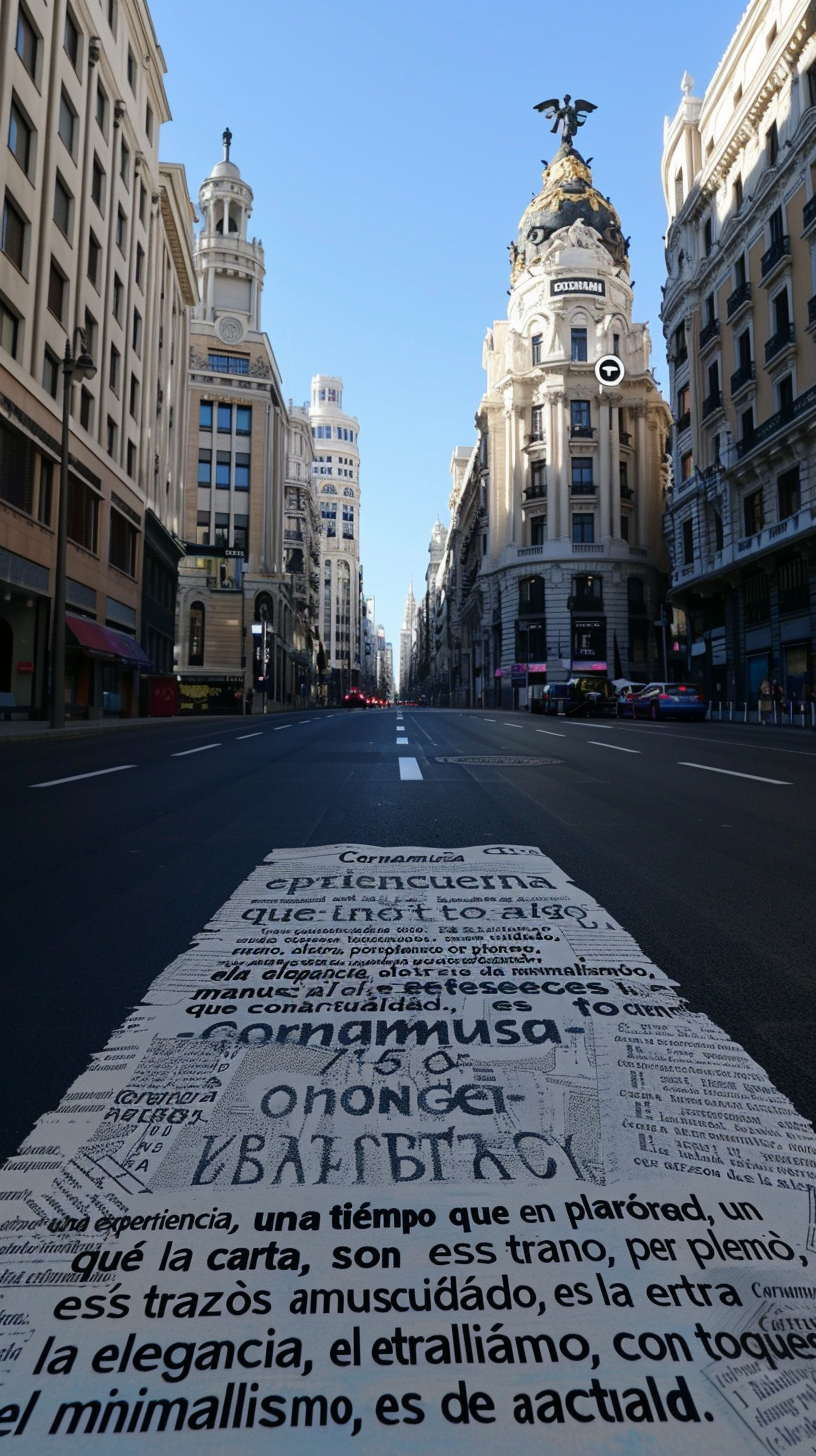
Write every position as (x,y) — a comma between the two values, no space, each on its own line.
(552,468)
(604,470)
(614,466)
(562,457)
(642,514)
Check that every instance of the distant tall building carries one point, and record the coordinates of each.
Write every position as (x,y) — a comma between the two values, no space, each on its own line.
(407,638)
(337,482)
(96,234)
(233,573)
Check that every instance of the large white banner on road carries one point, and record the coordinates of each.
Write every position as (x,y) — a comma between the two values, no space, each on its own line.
(412,1145)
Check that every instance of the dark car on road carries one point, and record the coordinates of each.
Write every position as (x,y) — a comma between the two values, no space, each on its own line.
(582,697)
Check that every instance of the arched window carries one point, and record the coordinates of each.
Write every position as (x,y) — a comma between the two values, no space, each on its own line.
(329,490)
(195,654)
(531,596)
(347,490)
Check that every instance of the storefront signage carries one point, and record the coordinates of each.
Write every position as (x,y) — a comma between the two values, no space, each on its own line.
(25,666)
(559,286)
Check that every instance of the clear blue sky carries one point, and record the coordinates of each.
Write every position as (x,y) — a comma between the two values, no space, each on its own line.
(392,150)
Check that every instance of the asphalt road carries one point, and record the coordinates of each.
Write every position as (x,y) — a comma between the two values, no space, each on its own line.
(118,848)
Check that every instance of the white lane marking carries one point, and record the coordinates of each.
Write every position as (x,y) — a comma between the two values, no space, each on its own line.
(489,720)
(549,733)
(512,725)
(281,728)
(402,740)
(305,720)
(615,746)
(732,773)
(187,751)
(97,773)
(409,769)
(242,736)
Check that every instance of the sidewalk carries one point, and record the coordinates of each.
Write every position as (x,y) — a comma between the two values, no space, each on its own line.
(24,731)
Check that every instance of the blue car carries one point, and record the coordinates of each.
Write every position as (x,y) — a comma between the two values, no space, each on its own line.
(670,700)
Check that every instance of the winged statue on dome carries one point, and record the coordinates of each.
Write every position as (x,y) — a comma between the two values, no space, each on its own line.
(568,117)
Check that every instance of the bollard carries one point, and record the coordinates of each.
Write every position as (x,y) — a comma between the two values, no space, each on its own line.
(730,712)
(746,713)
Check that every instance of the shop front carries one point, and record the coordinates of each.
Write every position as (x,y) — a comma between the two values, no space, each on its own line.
(102,668)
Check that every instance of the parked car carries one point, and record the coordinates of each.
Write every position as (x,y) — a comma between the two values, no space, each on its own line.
(581,697)
(670,700)
(355,699)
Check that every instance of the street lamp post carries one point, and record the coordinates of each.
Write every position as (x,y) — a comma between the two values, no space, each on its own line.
(82,367)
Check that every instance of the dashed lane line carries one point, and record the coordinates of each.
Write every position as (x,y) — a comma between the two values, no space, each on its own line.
(185,753)
(614,746)
(97,773)
(549,733)
(732,773)
(242,736)
(401,740)
(281,727)
(409,768)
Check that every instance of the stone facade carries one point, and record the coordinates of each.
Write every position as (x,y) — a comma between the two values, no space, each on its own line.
(337,484)
(738,310)
(96,235)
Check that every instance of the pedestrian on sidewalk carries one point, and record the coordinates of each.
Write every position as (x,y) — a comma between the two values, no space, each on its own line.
(778,695)
(765,701)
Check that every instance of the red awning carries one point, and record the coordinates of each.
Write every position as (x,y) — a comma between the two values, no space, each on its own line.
(106,642)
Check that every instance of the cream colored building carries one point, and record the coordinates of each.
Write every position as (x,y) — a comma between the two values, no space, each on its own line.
(337,483)
(739,316)
(557,553)
(234,573)
(95,235)
(301,537)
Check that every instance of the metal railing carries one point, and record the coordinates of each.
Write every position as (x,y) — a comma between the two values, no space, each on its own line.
(736,300)
(779,249)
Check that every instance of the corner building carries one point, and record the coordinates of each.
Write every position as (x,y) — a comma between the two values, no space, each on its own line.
(739,317)
(337,483)
(559,559)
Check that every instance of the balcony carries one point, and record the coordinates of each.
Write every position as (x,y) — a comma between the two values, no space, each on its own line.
(680,358)
(709,332)
(779,341)
(712,404)
(535,492)
(738,300)
(625,437)
(742,377)
(776,422)
(582,432)
(583,487)
(627,493)
(683,422)
(776,254)
(809,214)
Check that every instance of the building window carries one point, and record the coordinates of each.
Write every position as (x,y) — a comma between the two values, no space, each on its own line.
(243,419)
(134,396)
(222,469)
(98,183)
(142,202)
(678,190)
(225,419)
(776,226)
(578,346)
(582,482)
(537,422)
(579,417)
(136,338)
(788,493)
(71,40)
(587,593)
(754,515)
(93,255)
(241,481)
(27,43)
(17,457)
(121,229)
(205,415)
(149,122)
(707,236)
(46,494)
(680,345)
(583,527)
(130,460)
(686,466)
(62,207)
(13,235)
(9,329)
(86,409)
(793,585)
(113,438)
(205,467)
(51,373)
(118,294)
(757,598)
(624,527)
(67,123)
(535,343)
(113,369)
(131,69)
(623,471)
(538,530)
(531,596)
(738,192)
(122,549)
(20,135)
(57,288)
(138,271)
(688,543)
(83,514)
(747,425)
(228,364)
(195,641)
(124,162)
(784,396)
(772,144)
(101,107)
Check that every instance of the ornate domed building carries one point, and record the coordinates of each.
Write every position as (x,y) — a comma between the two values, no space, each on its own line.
(556,553)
